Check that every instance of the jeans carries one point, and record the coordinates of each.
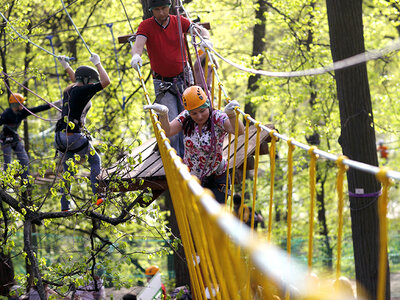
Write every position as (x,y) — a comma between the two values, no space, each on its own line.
(71,143)
(172,99)
(19,150)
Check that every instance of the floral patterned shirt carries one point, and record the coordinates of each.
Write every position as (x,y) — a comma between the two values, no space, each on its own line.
(198,148)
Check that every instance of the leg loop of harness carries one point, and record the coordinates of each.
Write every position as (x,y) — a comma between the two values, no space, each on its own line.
(62,149)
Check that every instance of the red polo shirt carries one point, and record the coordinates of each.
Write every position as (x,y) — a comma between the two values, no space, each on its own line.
(163,45)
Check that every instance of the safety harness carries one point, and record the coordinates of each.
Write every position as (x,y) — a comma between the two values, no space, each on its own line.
(60,147)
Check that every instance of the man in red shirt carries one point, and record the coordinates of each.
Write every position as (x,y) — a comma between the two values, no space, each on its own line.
(168,59)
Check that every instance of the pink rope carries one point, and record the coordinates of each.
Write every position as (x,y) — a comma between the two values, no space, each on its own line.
(26,88)
(33,114)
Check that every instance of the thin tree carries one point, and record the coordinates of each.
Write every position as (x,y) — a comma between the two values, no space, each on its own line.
(258,49)
(357,139)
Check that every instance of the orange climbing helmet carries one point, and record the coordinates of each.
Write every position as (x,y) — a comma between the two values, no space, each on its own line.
(152,270)
(194,97)
(16,98)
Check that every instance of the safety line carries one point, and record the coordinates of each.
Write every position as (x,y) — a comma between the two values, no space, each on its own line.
(359,58)
(50,38)
(29,41)
(51,16)
(338,65)
(86,27)
(126,14)
(181,43)
(110,25)
(29,90)
(202,72)
(76,29)
(24,37)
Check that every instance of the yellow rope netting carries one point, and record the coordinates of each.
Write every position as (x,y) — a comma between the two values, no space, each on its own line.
(312,177)
(272,153)
(225,259)
(342,168)
(382,209)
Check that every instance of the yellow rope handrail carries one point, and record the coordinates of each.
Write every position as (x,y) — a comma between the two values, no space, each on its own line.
(312,177)
(339,188)
(289,204)
(382,210)
(272,153)
(256,161)
(205,232)
(246,145)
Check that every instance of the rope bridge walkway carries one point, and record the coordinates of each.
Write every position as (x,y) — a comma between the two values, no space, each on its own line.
(147,169)
(226,259)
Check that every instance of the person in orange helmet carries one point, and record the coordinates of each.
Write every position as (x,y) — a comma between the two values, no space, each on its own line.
(10,140)
(383,150)
(150,272)
(204,130)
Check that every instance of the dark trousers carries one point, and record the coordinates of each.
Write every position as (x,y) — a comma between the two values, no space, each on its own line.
(217,184)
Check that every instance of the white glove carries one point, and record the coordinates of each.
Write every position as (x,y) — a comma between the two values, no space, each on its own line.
(159,108)
(63,61)
(206,44)
(136,61)
(230,108)
(95,59)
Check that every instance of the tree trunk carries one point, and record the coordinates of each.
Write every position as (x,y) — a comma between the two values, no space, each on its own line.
(6,274)
(357,139)
(182,276)
(327,251)
(258,49)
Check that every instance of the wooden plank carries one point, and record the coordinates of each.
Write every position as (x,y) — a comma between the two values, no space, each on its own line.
(149,166)
(145,150)
(151,170)
(125,38)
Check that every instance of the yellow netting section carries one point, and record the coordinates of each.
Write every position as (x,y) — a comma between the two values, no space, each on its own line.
(227,260)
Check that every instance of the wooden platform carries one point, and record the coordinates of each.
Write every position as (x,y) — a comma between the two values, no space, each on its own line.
(148,172)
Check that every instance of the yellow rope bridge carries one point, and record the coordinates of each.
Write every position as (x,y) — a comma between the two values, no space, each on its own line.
(228,260)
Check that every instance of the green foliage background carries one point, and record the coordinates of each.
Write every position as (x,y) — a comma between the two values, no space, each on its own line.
(297,38)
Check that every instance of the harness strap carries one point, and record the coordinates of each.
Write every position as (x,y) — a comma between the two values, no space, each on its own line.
(60,147)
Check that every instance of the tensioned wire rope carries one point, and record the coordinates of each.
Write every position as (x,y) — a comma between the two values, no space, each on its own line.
(76,28)
(24,107)
(110,27)
(26,38)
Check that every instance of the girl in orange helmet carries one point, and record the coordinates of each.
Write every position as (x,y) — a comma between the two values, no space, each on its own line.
(10,141)
(204,131)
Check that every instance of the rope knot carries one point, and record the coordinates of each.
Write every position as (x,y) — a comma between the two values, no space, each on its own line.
(340,164)
(272,135)
(311,152)
(382,176)
(290,143)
